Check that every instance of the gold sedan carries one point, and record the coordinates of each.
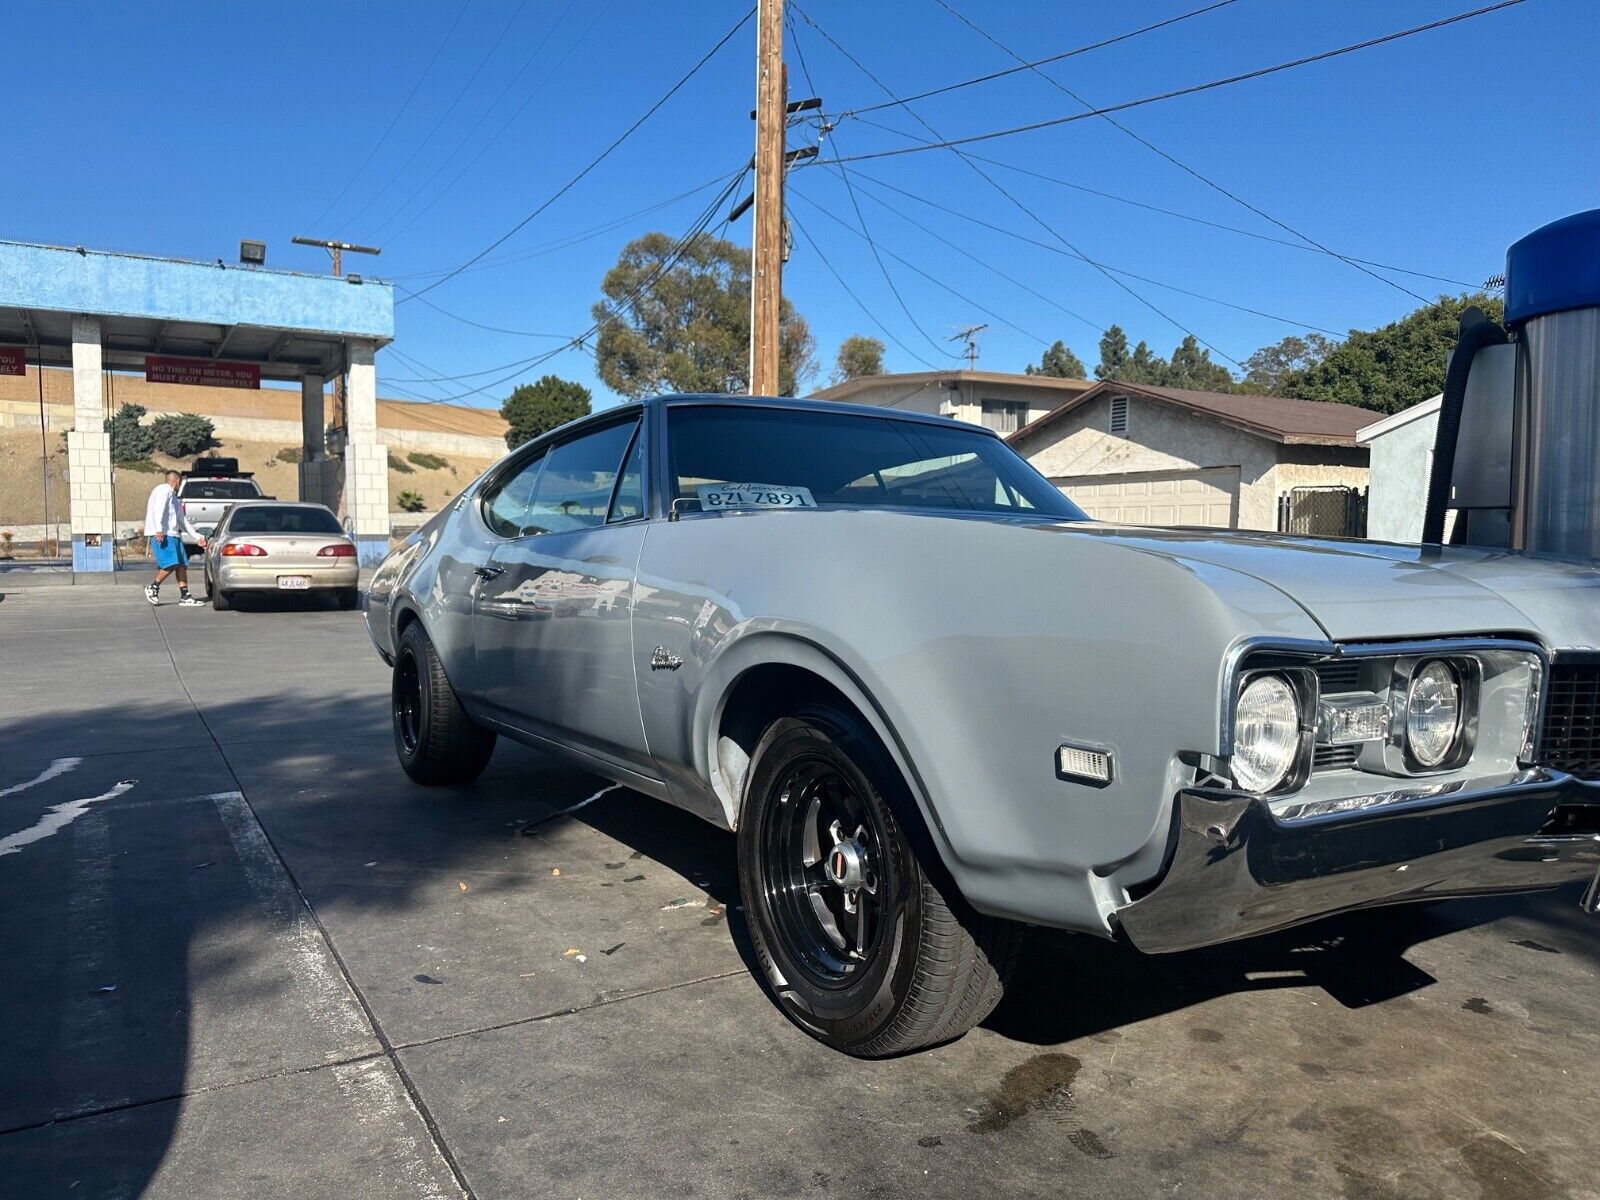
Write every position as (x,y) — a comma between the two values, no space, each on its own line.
(276,546)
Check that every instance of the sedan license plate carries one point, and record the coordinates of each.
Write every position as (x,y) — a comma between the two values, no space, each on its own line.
(294,583)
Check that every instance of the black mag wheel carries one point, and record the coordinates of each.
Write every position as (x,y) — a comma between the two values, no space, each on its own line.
(406,696)
(824,847)
(434,738)
(867,947)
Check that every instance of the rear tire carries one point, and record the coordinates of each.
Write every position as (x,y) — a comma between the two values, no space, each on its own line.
(909,964)
(436,741)
(349,598)
(220,600)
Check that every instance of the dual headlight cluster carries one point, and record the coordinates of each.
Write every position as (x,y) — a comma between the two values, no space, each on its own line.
(1421,720)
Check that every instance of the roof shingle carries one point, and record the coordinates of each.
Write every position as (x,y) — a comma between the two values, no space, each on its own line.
(1276,417)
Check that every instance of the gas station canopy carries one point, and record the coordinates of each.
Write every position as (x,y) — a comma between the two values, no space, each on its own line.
(288,324)
(180,321)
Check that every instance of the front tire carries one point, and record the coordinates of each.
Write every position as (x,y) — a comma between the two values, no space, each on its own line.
(868,948)
(436,741)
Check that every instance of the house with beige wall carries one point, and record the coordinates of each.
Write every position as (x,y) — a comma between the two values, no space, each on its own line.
(1167,456)
(997,400)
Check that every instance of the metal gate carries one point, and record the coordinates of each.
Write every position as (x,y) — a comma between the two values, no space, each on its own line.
(1324,511)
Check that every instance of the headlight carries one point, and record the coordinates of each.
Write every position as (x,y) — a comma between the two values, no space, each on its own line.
(1266,733)
(1433,714)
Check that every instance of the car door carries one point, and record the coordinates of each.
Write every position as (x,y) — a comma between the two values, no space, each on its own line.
(552,622)
(459,566)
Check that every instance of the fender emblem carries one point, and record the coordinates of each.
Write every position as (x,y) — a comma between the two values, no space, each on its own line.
(660,660)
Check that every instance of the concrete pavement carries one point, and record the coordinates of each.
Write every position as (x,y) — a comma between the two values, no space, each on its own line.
(247,957)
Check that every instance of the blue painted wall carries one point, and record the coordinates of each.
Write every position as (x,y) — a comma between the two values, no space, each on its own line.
(87,558)
(63,280)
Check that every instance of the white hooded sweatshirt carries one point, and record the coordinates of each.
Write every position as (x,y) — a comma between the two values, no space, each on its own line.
(163,513)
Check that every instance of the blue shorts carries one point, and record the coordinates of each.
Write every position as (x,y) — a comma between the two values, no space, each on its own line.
(171,553)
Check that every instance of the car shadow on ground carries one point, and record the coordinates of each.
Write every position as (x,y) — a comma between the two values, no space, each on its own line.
(1071,986)
(121,919)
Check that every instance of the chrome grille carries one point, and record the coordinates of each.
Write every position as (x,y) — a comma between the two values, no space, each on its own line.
(1334,758)
(1334,677)
(1570,739)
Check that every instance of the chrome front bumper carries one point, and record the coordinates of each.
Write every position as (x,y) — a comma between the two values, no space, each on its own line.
(1235,868)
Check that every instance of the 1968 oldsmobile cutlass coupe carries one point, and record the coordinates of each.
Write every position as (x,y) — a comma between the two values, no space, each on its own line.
(935,702)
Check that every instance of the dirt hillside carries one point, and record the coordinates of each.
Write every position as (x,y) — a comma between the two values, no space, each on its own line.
(22,487)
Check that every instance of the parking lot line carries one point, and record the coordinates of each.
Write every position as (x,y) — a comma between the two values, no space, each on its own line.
(330,999)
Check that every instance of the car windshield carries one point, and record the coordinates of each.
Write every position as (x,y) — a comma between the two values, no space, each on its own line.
(218,489)
(271,518)
(849,460)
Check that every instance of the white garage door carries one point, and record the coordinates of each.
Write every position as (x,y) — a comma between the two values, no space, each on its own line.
(1209,497)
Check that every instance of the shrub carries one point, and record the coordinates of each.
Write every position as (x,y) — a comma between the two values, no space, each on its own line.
(410,501)
(129,439)
(182,435)
(398,464)
(142,465)
(536,408)
(428,462)
(290,454)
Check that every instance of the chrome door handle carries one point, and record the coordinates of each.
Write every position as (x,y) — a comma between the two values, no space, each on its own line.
(489,572)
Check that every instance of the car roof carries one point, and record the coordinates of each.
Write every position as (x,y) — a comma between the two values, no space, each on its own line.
(268,502)
(728,399)
(817,406)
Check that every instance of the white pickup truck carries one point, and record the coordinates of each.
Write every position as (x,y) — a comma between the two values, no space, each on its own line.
(209,490)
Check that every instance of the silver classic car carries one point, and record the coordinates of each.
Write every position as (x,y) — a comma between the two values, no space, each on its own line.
(937,704)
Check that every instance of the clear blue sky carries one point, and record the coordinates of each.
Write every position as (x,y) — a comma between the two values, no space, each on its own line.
(178,128)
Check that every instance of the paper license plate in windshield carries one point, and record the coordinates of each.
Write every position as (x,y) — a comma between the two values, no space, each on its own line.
(714,497)
(294,583)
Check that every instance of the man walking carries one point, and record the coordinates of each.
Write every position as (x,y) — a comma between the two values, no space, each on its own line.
(165,523)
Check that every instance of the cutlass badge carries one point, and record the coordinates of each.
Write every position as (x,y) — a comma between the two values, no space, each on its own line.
(660,660)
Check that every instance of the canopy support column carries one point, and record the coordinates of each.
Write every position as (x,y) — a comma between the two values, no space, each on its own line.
(313,442)
(94,523)
(366,459)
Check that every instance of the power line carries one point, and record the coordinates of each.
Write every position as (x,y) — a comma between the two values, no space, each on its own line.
(866,232)
(982,262)
(1000,229)
(1054,58)
(1167,212)
(989,312)
(443,117)
(1182,166)
(849,291)
(393,121)
(596,161)
(478,324)
(1191,90)
(461,143)
(571,239)
(1033,216)
(872,245)
(668,260)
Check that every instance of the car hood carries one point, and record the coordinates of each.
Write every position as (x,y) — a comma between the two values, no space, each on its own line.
(1372,590)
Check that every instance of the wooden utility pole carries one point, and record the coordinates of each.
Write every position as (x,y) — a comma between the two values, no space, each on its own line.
(337,249)
(766,291)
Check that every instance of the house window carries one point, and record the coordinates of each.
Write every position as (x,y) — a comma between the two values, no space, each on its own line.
(1119,415)
(1004,416)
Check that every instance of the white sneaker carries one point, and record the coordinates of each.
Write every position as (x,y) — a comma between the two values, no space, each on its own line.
(190,602)
(151,594)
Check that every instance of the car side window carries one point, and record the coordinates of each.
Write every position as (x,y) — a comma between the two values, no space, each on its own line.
(628,503)
(505,506)
(574,491)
